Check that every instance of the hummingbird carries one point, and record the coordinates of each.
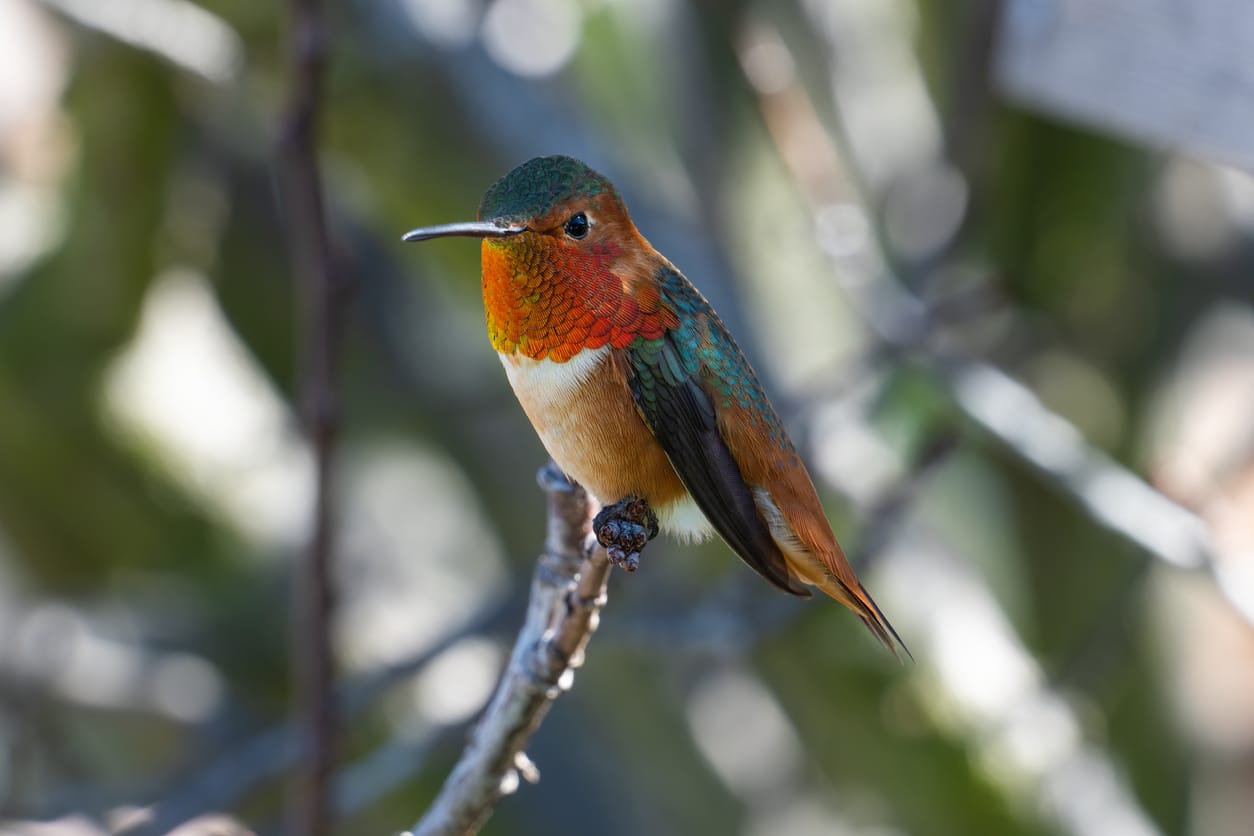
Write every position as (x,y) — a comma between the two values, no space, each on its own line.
(636,388)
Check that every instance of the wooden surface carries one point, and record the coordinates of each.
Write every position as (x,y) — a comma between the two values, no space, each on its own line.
(1171,73)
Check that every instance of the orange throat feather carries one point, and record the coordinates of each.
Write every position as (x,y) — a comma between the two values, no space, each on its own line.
(546,300)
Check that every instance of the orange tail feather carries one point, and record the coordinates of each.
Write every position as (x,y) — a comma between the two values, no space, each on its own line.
(852,594)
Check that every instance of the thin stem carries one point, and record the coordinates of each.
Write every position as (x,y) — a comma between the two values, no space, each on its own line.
(319,295)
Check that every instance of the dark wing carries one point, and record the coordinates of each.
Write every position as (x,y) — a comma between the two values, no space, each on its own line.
(673,399)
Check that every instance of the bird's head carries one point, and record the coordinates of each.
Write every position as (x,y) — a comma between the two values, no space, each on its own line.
(547,209)
(559,249)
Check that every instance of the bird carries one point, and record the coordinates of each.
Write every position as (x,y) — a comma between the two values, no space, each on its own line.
(636,388)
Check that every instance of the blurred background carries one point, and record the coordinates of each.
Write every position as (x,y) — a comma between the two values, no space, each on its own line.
(1011,331)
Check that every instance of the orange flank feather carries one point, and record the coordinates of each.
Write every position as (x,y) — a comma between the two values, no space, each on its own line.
(589,425)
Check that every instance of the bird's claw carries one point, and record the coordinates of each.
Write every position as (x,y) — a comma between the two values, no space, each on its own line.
(623,529)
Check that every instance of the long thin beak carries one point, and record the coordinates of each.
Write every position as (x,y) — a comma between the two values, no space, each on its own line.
(469,229)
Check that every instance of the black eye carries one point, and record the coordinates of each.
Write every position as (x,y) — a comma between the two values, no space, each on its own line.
(577,226)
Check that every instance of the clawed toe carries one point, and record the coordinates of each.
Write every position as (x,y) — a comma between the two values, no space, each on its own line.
(624,529)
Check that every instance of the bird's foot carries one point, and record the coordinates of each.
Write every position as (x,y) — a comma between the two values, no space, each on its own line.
(623,529)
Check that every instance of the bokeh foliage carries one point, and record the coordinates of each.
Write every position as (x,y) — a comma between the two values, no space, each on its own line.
(107,536)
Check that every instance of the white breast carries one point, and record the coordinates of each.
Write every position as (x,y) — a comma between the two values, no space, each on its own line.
(544,381)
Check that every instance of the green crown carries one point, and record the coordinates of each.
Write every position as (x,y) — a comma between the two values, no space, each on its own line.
(539,184)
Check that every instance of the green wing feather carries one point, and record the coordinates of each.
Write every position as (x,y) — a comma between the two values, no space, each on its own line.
(678,381)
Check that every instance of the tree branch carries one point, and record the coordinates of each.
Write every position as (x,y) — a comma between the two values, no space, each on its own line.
(320,296)
(567,593)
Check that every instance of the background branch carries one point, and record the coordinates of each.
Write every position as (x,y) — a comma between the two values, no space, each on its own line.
(567,593)
(319,294)
(244,767)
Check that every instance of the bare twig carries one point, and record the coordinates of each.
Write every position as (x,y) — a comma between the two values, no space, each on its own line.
(567,593)
(320,298)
